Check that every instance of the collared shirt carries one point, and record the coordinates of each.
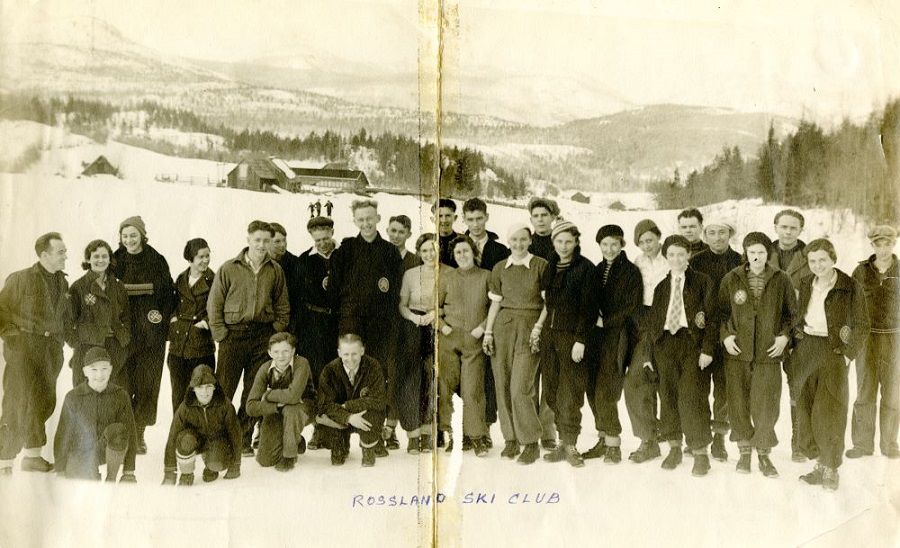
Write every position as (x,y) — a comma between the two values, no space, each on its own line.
(351,373)
(816,323)
(526,261)
(653,271)
(253,267)
(479,243)
(315,251)
(276,374)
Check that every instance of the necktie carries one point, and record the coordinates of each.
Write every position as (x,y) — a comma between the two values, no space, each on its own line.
(352,375)
(676,306)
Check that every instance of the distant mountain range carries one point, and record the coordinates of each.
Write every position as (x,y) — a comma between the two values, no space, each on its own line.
(296,93)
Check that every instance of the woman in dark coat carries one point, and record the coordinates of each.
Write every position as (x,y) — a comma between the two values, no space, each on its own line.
(190,341)
(151,295)
(97,312)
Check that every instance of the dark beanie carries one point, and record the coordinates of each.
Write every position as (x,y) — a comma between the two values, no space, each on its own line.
(754,238)
(611,230)
(95,354)
(646,225)
(319,222)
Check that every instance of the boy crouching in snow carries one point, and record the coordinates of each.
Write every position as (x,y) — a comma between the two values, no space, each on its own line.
(96,425)
(284,396)
(204,423)
(352,398)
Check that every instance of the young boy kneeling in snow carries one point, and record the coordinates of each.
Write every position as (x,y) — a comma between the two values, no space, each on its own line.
(284,396)
(352,398)
(204,423)
(96,425)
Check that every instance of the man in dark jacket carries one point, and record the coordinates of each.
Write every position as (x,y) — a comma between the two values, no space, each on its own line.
(674,338)
(365,280)
(757,309)
(717,261)
(445,212)
(32,308)
(880,276)
(690,225)
(205,423)
(278,250)
(352,399)
(247,304)
(620,290)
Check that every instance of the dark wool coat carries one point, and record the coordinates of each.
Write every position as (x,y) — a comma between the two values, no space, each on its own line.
(186,340)
(365,277)
(216,420)
(756,326)
(570,297)
(93,314)
(882,294)
(845,313)
(85,415)
(338,399)
(151,293)
(623,294)
(34,301)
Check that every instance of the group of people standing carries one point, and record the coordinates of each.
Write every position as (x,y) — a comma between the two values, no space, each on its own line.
(367,337)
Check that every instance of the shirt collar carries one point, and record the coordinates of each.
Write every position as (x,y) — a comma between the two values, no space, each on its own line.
(348,371)
(315,251)
(286,369)
(525,261)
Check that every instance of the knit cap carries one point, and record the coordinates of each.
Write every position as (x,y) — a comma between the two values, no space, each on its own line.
(136,222)
(720,222)
(562,226)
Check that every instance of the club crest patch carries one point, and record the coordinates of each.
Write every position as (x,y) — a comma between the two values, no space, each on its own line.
(700,320)
(154,316)
(845,334)
(90,299)
(740,296)
(384,285)
(325,283)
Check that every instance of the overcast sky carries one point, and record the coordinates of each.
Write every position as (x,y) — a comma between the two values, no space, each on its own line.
(821,58)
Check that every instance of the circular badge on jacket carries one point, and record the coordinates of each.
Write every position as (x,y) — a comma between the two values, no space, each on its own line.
(740,296)
(845,334)
(154,316)
(700,320)
(90,299)
(384,285)
(325,283)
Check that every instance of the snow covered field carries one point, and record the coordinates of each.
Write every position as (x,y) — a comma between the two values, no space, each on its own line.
(320,505)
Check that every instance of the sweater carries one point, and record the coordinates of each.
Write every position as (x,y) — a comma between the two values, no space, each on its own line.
(463,297)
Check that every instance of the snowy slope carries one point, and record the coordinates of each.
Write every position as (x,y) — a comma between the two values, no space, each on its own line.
(598,505)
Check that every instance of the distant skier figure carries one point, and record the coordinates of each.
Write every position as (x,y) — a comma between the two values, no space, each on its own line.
(312,210)
(318,205)
(328,207)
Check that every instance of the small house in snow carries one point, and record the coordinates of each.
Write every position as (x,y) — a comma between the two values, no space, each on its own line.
(348,180)
(260,174)
(581,198)
(100,166)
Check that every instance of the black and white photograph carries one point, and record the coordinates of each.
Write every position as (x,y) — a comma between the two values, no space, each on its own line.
(458,273)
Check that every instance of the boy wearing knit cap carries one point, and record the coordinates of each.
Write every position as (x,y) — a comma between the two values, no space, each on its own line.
(206,424)
(641,385)
(96,426)
(880,365)
(758,308)
(620,291)
(716,261)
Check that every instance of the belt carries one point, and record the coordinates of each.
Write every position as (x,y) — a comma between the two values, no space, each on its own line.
(38,333)
(319,309)
(247,326)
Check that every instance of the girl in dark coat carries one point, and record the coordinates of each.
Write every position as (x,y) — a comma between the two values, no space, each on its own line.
(190,341)
(151,296)
(97,312)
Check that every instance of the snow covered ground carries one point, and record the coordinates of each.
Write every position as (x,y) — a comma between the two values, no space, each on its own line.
(319,505)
